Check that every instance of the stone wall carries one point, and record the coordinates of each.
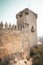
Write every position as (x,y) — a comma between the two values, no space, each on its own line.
(13,42)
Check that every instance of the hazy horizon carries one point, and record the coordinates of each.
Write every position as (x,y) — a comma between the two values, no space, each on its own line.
(9,9)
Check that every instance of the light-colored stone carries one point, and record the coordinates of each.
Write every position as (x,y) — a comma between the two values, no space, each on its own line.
(22,38)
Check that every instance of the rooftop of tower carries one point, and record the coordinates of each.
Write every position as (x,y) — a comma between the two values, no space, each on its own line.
(24,11)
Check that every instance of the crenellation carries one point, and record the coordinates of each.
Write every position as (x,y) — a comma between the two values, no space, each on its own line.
(6,25)
(13,26)
(1,25)
(10,26)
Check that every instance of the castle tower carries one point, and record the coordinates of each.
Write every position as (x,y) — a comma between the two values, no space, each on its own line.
(26,19)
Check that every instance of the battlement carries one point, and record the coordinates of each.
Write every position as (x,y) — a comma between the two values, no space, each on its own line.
(10,27)
(7,27)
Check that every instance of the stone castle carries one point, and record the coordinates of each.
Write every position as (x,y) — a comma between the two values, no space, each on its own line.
(21,37)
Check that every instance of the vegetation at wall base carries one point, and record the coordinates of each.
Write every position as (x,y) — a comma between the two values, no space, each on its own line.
(37,54)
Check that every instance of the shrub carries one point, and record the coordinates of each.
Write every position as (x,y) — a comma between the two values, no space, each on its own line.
(37,54)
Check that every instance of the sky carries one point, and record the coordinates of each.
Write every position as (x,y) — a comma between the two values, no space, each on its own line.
(9,9)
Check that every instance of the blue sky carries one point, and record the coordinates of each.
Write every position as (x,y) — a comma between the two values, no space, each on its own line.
(9,9)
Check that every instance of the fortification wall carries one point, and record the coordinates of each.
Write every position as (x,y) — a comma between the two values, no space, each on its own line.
(12,42)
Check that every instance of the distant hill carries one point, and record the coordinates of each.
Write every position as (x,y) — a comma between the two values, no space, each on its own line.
(40,39)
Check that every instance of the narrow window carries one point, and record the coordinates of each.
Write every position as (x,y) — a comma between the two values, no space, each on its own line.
(20,15)
(26,13)
(32,29)
(26,24)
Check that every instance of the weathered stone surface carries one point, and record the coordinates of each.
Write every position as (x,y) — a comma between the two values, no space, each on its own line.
(16,40)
